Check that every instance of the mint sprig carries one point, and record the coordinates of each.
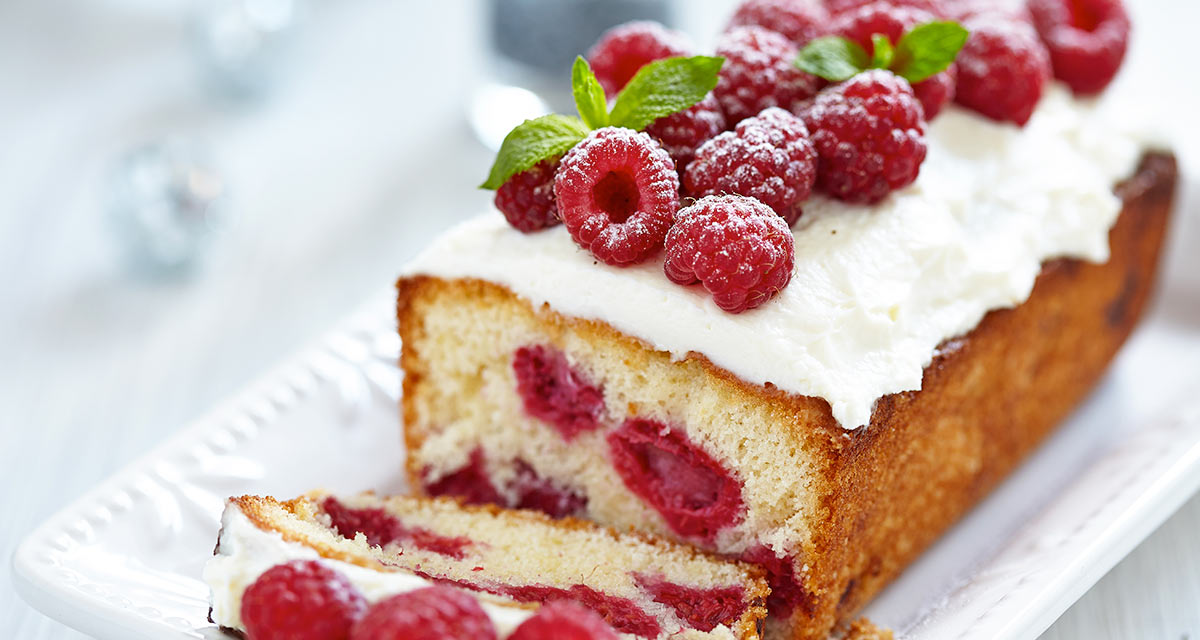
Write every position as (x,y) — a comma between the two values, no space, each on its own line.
(664,87)
(928,49)
(923,51)
(834,58)
(531,142)
(659,89)
(589,95)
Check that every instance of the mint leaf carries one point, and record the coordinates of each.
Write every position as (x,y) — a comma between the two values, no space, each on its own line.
(589,95)
(928,49)
(664,87)
(884,53)
(531,142)
(833,57)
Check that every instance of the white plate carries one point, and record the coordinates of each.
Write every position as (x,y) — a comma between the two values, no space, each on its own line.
(124,561)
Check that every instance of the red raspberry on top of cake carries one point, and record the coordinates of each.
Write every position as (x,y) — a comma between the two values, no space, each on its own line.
(471,573)
(1002,70)
(768,157)
(527,198)
(617,193)
(1086,40)
(759,72)
(622,50)
(883,18)
(870,136)
(798,20)
(733,245)
(682,132)
(936,7)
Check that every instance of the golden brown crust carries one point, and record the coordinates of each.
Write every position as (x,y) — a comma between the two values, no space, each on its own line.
(987,399)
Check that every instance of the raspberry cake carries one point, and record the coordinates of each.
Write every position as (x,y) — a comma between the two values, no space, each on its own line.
(864,310)
(375,549)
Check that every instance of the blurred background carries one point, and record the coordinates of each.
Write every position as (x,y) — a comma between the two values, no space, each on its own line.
(192,190)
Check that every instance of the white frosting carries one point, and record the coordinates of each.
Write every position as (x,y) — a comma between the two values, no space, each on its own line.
(247,551)
(875,288)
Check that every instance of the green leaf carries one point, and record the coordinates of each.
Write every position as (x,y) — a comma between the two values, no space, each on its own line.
(833,57)
(928,49)
(664,87)
(531,142)
(884,53)
(589,95)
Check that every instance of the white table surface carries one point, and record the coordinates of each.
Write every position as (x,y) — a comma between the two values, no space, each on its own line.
(339,176)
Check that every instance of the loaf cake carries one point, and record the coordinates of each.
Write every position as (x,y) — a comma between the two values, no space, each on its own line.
(512,561)
(927,340)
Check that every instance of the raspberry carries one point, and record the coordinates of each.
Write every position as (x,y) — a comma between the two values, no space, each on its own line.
(301,600)
(893,21)
(431,613)
(702,609)
(683,132)
(759,72)
(625,48)
(1086,40)
(555,392)
(694,494)
(538,493)
(527,198)
(768,157)
(382,528)
(471,482)
(963,10)
(625,615)
(798,20)
(563,621)
(617,193)
(838,7)
(1002,69)
(869,135)
(735,246)
(786,592)
(936,91)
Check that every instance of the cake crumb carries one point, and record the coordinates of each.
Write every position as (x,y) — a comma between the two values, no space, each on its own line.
(864,629)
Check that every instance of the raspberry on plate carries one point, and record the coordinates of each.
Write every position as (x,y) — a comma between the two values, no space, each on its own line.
(759,72)
(768,157)
(527,198)
(683,132)
(1086,39)
(301,600)
(735,246)
(1002,70)
(798,20)
(893,21)
(625,48)
(869,135)
(617,193)
(431,613)
(563,620)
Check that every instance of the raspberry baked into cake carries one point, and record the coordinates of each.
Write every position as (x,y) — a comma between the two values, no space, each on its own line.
(372,568)
(803,303)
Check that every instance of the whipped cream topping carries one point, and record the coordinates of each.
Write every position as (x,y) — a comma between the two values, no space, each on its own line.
(246,552)
(876,288)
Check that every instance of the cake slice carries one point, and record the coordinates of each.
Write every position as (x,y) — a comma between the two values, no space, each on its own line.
(512,561)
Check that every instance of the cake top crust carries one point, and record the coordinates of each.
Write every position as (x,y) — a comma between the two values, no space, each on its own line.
(875,288)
